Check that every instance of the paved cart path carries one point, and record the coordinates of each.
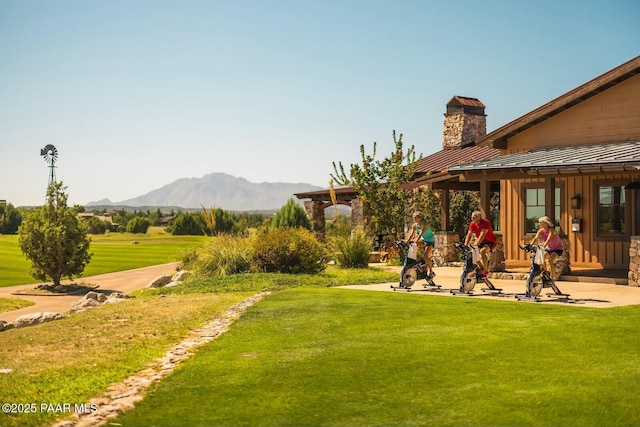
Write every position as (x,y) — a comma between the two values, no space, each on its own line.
(122,281)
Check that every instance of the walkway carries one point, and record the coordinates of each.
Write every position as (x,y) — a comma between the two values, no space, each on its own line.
(582,293)
(122,281)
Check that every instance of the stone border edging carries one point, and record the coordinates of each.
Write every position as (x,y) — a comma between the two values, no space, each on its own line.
(123,396)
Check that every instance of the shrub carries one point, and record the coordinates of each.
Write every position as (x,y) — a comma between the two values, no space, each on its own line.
(225,255)
(288,250)
(352,251)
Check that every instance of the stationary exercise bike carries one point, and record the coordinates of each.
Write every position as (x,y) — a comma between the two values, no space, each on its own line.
(538,277)
(413,269)
(472,274)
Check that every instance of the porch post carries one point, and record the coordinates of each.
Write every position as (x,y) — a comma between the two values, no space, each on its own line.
(446,205)
(485,199)
(550,198)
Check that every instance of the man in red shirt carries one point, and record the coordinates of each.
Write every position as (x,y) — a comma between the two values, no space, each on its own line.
(485,239)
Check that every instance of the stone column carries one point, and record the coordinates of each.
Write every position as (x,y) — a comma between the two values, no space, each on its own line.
(316,215)
(444,252)
(563,262)
(634,261)
(496,262)
(357,213)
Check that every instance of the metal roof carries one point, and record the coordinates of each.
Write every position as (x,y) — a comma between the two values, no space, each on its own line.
(621,156)
(441,160)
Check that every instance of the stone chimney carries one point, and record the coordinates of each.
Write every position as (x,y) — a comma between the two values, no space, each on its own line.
(464,122)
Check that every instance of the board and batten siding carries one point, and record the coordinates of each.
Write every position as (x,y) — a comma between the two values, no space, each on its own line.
(611,116)
(586,250)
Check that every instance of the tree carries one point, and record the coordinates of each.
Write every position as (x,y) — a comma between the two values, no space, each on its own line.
(54,239)
(192,224)
(379,186)
(10,219)
(138,225)
(291,215)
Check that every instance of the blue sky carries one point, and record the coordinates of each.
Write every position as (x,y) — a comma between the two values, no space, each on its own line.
(136,94)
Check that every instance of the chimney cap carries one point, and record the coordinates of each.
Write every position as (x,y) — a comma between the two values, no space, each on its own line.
(465,105)
(464,101)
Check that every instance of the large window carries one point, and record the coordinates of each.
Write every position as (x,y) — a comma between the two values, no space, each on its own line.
(611,210)
(534,208)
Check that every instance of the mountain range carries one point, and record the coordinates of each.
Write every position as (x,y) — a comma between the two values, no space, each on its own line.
(219,190)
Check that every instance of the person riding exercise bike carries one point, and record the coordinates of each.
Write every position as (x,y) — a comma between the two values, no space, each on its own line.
(485,240)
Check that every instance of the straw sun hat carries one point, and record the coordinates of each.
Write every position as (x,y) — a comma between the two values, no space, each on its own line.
(546,220)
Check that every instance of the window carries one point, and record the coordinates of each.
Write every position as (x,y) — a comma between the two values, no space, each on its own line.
(611,210)
(534,208)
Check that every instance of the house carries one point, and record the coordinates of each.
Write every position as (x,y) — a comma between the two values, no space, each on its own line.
(464,123)
(575,159)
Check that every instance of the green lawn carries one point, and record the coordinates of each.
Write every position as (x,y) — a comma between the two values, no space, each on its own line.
(111,252)
(329,357)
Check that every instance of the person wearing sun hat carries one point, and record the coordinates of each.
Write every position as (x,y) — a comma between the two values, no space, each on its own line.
(548,238)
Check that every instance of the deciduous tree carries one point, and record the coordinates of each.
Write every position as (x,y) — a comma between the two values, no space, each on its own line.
(379,185)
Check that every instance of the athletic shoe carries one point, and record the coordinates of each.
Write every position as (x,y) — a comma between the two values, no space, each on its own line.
(432,275)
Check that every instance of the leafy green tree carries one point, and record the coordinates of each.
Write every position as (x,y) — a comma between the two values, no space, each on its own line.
(54,239)
(10,219)
(96,225)
(138,225)
(379,185)
(463,203)
(192,224)
(291,215)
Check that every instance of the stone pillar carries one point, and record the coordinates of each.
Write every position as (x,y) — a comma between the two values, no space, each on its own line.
(634,261)
(316,215)
(357,213)
(444,252)
(496,262)
(563,262)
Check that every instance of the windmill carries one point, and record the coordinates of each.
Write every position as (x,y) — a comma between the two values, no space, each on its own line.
(50,155)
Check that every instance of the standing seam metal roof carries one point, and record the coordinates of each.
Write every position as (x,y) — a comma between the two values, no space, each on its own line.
(584,155)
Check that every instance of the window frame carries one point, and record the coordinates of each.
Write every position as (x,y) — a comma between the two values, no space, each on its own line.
(595,214)
(560,185)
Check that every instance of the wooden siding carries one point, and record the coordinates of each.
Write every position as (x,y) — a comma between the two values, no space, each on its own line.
(611,116)
(586,249)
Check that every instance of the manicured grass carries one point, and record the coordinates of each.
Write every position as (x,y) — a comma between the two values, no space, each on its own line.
(335,357)
(111,252)
(75,359)
(10,304)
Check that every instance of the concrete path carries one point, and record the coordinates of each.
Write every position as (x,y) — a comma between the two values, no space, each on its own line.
(122,281)
(582,294)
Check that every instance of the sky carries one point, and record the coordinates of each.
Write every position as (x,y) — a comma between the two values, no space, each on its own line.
(137,94)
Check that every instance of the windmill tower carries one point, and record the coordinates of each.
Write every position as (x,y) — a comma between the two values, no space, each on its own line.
(50,155)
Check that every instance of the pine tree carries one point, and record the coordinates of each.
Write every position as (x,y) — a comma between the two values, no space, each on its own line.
(54,239)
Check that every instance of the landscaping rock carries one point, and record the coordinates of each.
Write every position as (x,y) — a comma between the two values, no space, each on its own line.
(37,318)
(160,281)
(5,326)
(95,299)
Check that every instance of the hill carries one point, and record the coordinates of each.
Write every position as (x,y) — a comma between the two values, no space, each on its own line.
(217,189)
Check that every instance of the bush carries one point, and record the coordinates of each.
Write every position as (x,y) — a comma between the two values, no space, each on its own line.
(352,251)
(225,255)
(288,250)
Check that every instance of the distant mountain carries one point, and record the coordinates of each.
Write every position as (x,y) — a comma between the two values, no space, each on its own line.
(220,190)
